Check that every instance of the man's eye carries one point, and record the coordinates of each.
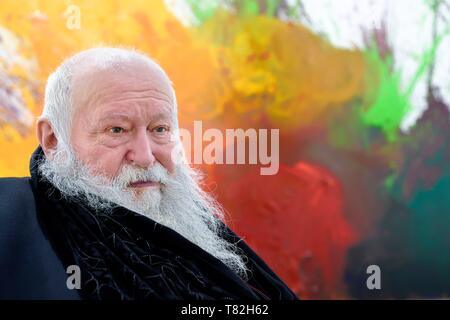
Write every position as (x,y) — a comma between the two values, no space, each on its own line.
(161,129)
(116,130)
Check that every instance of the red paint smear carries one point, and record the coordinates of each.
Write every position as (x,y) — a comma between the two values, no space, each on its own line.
(294,220)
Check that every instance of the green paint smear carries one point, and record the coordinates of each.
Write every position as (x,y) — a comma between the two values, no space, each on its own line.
(347,131)
(249,8)
(389,181)
(255,7)
(388,105)
(205,9)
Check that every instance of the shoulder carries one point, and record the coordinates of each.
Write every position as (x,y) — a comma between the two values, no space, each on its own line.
(18,182)
(29,268)
(17,209)
(16,199)
(15,187)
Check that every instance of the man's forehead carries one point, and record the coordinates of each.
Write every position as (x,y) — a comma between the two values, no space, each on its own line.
(127,83)
(86,76)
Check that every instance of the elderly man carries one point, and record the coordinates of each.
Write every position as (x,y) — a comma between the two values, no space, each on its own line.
(108,202)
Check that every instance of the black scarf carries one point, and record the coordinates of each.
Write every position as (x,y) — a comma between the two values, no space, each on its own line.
(124,255)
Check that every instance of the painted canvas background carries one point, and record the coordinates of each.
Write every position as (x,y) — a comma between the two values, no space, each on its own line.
(360,91)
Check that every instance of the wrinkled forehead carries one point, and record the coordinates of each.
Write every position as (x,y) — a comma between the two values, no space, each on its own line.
(92,85)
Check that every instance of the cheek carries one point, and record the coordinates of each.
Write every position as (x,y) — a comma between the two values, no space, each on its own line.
(103,160)
(164,156)
(109,164)
(101,157)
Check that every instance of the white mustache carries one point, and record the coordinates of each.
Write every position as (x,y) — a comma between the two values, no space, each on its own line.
(129,174)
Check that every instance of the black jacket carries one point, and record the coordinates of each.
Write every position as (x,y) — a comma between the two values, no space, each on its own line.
(29,267)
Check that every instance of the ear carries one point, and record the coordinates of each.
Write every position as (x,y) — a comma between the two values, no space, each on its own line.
(46,136)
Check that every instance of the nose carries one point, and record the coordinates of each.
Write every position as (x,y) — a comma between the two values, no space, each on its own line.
(140,153)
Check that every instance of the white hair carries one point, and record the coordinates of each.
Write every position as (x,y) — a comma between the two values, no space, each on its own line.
(58,102)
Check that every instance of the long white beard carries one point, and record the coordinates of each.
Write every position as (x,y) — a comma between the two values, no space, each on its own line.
(180,204)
